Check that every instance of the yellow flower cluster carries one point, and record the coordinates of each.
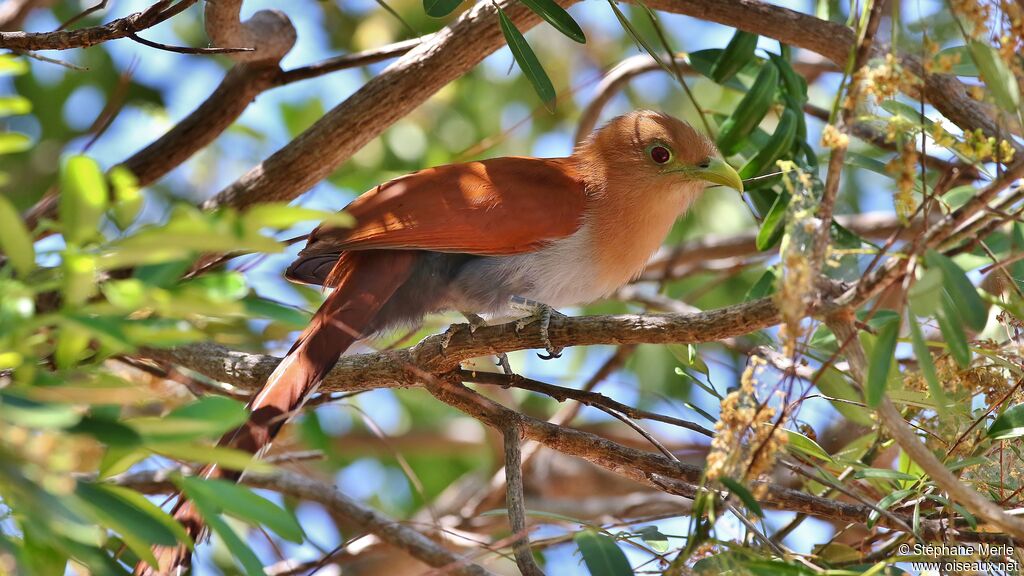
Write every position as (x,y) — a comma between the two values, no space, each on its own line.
(882,82)
(905,167)
(746,440)
(831,137)
(975,13)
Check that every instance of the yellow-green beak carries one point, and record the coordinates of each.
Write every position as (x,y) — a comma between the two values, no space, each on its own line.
(718,172)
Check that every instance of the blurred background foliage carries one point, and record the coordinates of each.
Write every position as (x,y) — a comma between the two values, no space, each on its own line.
(78,309)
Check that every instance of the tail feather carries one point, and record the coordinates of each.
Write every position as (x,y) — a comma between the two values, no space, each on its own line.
(363,282)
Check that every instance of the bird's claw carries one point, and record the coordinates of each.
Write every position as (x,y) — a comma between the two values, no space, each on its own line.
(542,313)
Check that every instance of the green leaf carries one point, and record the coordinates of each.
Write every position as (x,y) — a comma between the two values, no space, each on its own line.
(882,355)
(654,538)
(764,286)
(440,8)
(210,510)
(14,105)
(998,78)
(885,473)
(1009,424)
(953,331)
(737,54)
(774,224)
(207,417)
(970,305)
(743,494)
(527,60)
(83,199)
(230,458)
(14,142)
(805,445)
(886,503)
(128,198)
(925,296)
(242,503)
(927,366)
(15,240)
(281,215)
(12,65)
(22,411)
(138,528)
(555,15)
(601,554)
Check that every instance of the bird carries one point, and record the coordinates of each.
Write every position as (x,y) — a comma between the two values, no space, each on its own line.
(490,238)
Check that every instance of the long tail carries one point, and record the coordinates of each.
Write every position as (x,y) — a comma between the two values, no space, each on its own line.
(363,282)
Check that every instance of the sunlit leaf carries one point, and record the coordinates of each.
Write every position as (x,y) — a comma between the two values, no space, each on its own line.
(1009,424)
(15,241)
(804,445)
(14,105)
(14,142)
(927,366)
(242,503)
(83,198)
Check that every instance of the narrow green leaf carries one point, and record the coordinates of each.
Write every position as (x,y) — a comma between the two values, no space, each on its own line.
(602,555)
(881,361)
(743,494)
(440,8)
(12,65)
(737,54)
(137,528)
(242,503)
(927,366)
(764,286)
(965,67)
(1009,424)
(965,296)
(527,60)
(14,105)
(997,76)
(654,538)
(281,215)
(83,198)
(885,473)
(128,198)
(925,296)
(953,331)
(15,240)
(229,458)
(805,445)
(14,142)
(555,15)
(774,223)
(210,510)
(886,503)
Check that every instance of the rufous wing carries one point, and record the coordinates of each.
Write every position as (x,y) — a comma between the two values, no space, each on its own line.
(494,207)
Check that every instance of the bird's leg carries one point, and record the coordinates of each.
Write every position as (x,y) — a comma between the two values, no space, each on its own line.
(539,312)
(475,323)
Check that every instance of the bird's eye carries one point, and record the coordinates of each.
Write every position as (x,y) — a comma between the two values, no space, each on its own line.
(660,154)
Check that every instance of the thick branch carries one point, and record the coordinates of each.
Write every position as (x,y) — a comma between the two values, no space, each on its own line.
(395,368)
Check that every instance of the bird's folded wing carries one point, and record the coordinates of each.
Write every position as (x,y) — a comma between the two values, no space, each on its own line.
(494,207)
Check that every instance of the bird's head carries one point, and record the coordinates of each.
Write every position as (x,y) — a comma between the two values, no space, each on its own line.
(655,150)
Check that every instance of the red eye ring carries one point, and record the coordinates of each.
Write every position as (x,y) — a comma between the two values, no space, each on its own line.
(660,154)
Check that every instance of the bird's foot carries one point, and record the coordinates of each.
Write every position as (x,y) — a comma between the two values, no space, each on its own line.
(475,323)
(538,312)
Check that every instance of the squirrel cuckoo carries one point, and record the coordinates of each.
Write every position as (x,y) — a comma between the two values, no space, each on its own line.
(477,238)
